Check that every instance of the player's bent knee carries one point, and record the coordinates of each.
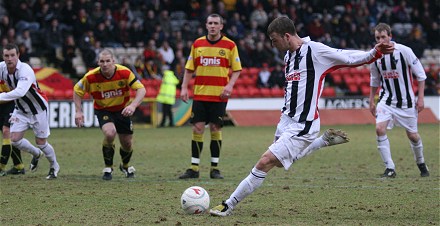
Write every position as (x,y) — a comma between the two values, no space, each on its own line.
(267,162)
(110,134)
(381,131)
(414,137)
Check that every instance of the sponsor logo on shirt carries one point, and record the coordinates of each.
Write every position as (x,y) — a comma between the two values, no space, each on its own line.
(296,76)
(111,93)
(390,74)
(209,61)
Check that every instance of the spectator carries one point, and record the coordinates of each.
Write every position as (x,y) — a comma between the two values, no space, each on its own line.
(136,34)
(152,70)
(97,14)
(124,13)
(25,18)
(261,55)
(260,16)
(166,53)
(165,22)
(44,15)
(150,52)
(127,63)
(431,86)
(167,96)
(264,80)
(82,24)
(68,14)
(5,25)
(113,29)
(150,22)
(433,35)
(10,35)
(244,8)
(315,28)
(69,52)
(415,41)
(25,38)
(139,66)
(23,53)
(243,52)
(277,76)
(86,46)
(236,21)
(53,37)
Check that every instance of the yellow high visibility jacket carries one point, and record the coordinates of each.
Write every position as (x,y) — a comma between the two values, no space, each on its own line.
(167,92)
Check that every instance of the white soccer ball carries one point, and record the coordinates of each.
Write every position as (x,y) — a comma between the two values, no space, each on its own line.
(195,200)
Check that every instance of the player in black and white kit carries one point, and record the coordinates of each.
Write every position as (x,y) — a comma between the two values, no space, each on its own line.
(397,103)
(31,109)
(307,63)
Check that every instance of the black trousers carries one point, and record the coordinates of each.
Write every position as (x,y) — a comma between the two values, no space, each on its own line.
(167,113)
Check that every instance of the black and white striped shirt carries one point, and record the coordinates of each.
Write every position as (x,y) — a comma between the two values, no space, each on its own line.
(305,72)
(24,89)
(394,74)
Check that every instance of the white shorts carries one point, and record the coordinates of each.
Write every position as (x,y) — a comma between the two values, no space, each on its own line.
(404,117)
(287,144)
(39,123)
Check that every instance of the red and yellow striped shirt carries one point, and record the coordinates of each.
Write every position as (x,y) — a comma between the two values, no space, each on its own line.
(4,87)
(211,62)
(108,94)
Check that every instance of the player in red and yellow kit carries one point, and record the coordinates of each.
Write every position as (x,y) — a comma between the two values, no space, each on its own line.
(109,85)
(7,149)
(211,58)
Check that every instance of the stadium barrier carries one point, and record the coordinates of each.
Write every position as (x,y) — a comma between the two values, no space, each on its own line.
(241,112)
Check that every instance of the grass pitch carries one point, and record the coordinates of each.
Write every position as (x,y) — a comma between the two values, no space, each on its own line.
(338,185)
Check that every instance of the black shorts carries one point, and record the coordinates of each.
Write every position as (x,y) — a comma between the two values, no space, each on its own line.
(6,110)
(208,112)
(123,124)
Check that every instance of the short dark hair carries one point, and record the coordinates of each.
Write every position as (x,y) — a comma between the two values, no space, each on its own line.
(383,27)
(10,46)
(216,15)
(281,25)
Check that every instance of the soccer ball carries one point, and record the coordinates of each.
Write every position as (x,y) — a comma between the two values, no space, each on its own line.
(195,200)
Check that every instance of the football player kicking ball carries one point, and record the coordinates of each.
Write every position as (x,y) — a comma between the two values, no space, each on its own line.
(307,63)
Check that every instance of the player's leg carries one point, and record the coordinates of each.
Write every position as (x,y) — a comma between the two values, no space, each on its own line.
(124,128)
(108,149)
(106,123)
(17,160)
(247,186)
(198,129)
(329,138)
(417,148)
(215,147)
(20,123)
(40,126)
(198,120)
(9,150)
(216,112)
(126,151)
(21,143)
(384,121)
(6,150)
(282,153)
(49,152)
(407,118)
